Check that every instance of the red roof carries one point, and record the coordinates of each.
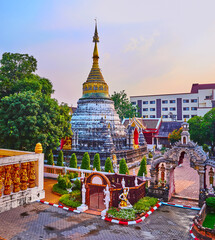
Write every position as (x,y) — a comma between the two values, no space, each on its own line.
(195,87)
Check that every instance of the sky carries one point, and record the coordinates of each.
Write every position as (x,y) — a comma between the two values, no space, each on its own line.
(146,46)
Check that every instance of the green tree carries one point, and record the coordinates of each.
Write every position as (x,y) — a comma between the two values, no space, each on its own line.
(60,159)
(50,158)
(143,167)
(123,106)
(123,168)
(28,118)
(108,165)
(96,162)
(202,129)
(85,164)
(73,161)
(175,135)
(30,114)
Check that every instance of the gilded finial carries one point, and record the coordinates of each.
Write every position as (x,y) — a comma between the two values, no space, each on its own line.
(38,148)
(96,36)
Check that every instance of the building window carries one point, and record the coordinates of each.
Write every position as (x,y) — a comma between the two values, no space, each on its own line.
(186,108)
(186,116)
(152,109)
(186,101)
(164,109)
(208,97)
(145,109)
(145,102)
(165,116)
(172,101)
(133,103)
(152,116)
(145,116)
(193,108)
(172,109)
(152,102)
(193,100)
(165,101)
(193,115)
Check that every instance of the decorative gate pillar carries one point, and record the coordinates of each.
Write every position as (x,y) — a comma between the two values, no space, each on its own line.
(202,196)
(162,174)
(83,206)
(156,175)
(107,201)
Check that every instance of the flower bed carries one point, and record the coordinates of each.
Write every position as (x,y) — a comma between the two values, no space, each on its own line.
(139,210)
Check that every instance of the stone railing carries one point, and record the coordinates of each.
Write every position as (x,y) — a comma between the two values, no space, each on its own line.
(21,178)
(54,171)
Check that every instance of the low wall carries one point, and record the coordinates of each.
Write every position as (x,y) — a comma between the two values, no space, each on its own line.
(198,230)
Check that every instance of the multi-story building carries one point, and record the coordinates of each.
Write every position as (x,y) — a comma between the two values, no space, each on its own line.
(177,106)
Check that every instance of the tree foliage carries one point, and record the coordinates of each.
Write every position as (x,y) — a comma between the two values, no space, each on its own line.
(108,165)
(175,135)
(50,158)
(143,167)
(123,106)
(60,159)
(202,129)
(123,168)
(73,161)
(96,162)
(28,113)
(85,164)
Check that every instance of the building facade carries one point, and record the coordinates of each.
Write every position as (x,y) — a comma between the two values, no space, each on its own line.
(176,107)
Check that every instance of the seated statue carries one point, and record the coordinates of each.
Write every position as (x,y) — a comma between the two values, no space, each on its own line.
(124,199)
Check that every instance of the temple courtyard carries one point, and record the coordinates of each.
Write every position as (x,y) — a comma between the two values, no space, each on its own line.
(39,221)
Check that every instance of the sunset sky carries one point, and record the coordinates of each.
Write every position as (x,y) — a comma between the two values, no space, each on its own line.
(146,46)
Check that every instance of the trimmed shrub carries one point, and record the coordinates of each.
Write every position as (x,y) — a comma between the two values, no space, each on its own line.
(65,199)
(73,161)
(123,168)
(56,188)
(108,165)
(50,158)
(75,195)
(64,182)
(96,162)
(145,203)
(60,159)
(85,161)
(77,185)
(143,167)
(210,202)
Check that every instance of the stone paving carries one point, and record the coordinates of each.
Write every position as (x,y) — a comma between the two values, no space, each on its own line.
(38,221)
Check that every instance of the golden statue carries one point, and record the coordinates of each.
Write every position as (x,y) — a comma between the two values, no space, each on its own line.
(38,148)
(16,178)
(68,144)
(124,199)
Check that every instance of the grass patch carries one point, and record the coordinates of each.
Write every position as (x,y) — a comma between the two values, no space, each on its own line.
(145,203)
(69,201)
(209,221)
(58,189)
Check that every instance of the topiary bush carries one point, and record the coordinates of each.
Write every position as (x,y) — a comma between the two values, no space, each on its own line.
(210,202)
(60,158)
(123,168)
(108,165)
(143,167)
(77,185)
(50,158)
(85,164)
(65,199)
(73,161)
(56,188)
(64,182)
(145,203)
(96,162)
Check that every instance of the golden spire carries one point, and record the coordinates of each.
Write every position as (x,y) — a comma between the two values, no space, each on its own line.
(95,86)
(95,52)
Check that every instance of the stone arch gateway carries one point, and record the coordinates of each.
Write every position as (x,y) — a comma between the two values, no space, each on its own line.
(165,188)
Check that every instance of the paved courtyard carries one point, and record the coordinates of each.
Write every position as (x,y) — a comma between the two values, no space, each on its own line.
(39,221)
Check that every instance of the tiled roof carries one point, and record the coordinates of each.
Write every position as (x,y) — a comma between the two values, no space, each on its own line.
(168,127)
